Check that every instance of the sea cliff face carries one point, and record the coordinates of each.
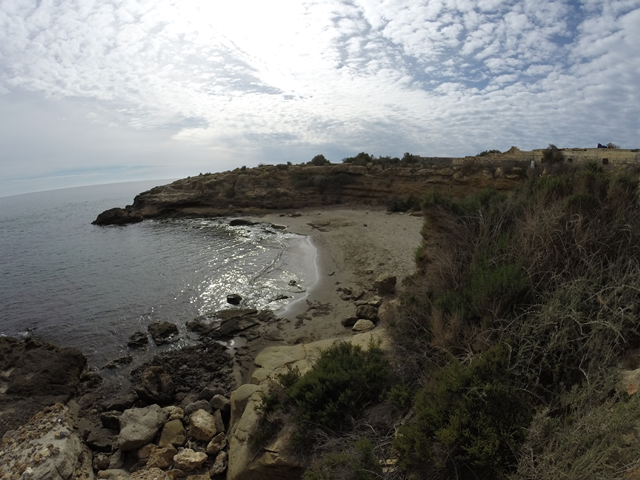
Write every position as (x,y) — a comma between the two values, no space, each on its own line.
(296,186)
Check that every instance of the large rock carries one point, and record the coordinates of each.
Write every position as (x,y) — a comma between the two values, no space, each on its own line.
(363,325)
(139,425)
(385,284)
(188,460)
(163,332)
(34,375)
(151,474)
(202,425)
(173,433)
(47,447)
(156,386)
(161,457)
(367,312)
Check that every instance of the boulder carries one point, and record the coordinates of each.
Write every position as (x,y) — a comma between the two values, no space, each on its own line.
(173,433)
(220,464)
(188,460)
(111,419)
(120,403)
(217,443)
(240,222)
(220,402)
(367,312)
(217,415)
(348,322)
(161,457)
(114,474)
(163,332)
(385,284)
(174,413)
(100,462)
(138,340)
(202,425)
(234,326)
(199,405)
(156,386)
(139,425)
(100,440)
(363,325)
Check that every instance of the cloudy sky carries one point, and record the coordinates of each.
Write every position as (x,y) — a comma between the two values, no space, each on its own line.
(110,90)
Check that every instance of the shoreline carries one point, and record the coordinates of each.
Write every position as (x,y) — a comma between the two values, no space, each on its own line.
(354,245)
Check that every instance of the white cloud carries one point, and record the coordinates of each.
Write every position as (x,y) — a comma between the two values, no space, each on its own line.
(438,76)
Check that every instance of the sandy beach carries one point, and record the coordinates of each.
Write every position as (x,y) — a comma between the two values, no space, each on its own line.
(353,246)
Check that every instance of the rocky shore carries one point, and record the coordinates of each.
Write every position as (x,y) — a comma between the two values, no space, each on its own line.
(177,415)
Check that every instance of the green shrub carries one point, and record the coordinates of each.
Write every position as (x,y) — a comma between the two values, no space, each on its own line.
(488,152)
(467,420)
(407,204)
(552,154)
(319,160)
(357,464)
(344,379)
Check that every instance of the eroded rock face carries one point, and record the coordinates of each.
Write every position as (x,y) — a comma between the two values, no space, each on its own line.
(118,216)
(47,447)
(34,375)
(138,426)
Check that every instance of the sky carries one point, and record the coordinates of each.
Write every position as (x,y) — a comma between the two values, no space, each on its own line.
(106,91)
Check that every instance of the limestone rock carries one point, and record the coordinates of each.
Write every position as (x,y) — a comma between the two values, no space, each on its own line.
(163,332)
(161,457)
(100,440)
(203,476)
(217,415)
(114,474)
(216,444)
(199,405)
(385,284)
(100,462)
(111,419)
(156,386)
(220,465)
(202,425)
(151,474)
(139,425)
(188,460)
(388,310)
(173,433)
(363,325)
(174,413)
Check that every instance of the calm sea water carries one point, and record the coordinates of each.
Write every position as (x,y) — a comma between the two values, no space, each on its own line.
(75,284)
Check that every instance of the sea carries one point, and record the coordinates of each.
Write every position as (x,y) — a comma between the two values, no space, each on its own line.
(67,282)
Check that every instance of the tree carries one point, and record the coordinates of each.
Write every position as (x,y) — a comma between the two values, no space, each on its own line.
(319,160)
(552,154)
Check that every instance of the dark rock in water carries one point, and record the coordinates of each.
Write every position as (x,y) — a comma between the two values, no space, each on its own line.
(234,313)
(118,362)
(138,340)
(117,216)
(233,326)
(234,299)
(35,375)
(239,222)
(163,332)
(120,403)
(156,386)
(91,379)
(198,325)
(367,312)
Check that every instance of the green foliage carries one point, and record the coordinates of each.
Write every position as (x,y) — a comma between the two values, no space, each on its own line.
(360,159)
(344,379)
(467,420)
(282,166)
(357,464)
(488,152)
(319,160)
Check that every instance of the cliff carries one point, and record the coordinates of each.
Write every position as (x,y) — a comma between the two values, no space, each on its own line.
(297,186)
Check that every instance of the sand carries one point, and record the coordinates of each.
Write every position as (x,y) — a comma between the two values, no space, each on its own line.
(353,246)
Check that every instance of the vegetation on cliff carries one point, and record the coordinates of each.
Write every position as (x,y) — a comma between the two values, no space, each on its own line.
(508,341)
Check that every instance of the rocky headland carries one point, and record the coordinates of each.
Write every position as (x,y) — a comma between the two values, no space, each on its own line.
(291,187)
